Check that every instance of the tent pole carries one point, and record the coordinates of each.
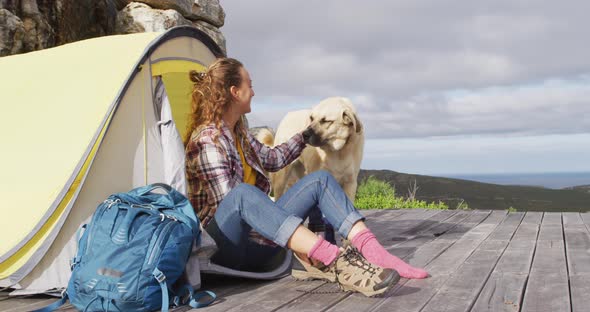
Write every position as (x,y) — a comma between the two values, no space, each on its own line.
(143,123)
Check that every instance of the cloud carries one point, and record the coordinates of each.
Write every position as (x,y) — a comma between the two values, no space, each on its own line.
(420,68)
(464,155)
(403,48)
(552,106)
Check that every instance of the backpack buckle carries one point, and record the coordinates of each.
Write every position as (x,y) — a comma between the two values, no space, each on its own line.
(160,277)
(73,263)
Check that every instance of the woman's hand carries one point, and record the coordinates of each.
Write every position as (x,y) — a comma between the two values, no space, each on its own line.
(311,138)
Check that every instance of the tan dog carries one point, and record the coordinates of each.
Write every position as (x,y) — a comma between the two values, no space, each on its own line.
(264,135)
(341,136)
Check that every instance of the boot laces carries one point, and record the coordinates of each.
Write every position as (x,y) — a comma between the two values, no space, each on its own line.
(355,258)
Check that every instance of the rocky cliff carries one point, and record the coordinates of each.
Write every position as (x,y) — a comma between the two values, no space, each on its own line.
(29,25)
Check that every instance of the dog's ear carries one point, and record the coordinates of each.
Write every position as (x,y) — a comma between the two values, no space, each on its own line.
(350,117)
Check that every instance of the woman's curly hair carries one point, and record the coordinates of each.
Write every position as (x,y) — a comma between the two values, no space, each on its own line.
(211,95)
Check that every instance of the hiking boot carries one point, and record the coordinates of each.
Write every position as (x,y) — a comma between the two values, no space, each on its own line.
(355,273)
(303,270)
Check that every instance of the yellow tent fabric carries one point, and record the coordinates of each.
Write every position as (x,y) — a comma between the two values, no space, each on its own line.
(178,87)
(36,162)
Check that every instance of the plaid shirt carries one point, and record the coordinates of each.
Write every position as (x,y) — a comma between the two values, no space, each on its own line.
(212,169)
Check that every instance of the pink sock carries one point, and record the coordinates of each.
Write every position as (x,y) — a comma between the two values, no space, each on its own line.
(370,248)
(323,251)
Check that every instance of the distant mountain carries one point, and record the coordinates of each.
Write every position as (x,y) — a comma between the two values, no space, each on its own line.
(579,188)
(485,195)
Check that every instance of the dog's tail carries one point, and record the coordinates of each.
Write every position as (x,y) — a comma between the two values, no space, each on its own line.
(265,135)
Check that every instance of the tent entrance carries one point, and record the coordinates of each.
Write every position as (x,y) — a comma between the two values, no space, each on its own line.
(178,87)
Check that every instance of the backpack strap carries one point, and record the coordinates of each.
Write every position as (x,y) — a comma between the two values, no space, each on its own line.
(196,299)
(55,305)
(77,259)
(202,299)
(161,278)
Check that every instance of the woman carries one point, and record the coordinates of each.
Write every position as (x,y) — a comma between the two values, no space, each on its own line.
(228,190)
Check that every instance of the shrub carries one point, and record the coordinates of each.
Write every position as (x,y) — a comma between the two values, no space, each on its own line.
(377,194)
(462,205)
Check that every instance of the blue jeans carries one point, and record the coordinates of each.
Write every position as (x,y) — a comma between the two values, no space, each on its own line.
(246,207)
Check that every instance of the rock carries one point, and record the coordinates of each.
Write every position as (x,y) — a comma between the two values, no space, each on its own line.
(12,32)
(209,11)
(181,6)
(50,23)
(213,32)
(83,19)
(29,25)
(10,5)
(120,4)
(139,17)
(38,33)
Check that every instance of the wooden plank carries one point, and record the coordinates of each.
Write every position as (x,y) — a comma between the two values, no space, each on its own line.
(466,227)
(516,260)
(415,294)
(502,292)
(476,215)
(547,293)
(448,262)
(461,290)
(388,230)
(504,288)
(548,288)
(550,230)
(315,302)
(432,249)
(585,217)
(577,243)
(527,231)
(432,221)
(368,212)
(230,291)
(70,308)
(580,287)
(552,218)
(533,217)
(287,288)
(427,234)
(380,224)
(505,231)
(272,297)
(26,303)
(572,218)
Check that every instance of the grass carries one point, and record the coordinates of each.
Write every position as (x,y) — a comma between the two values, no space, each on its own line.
(485,195)
(376,194)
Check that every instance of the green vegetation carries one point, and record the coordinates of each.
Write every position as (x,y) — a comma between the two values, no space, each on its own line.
(376,194)
(511,209)
(485,195)
(462,205)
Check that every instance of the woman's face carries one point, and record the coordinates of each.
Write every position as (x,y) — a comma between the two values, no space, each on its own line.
(243,93)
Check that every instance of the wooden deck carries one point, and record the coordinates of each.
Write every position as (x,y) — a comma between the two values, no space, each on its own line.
(478,261)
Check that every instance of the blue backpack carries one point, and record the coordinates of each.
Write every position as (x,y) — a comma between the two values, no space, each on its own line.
(133,251)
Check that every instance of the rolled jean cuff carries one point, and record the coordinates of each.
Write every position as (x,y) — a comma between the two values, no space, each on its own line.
(347,224)
(286,230)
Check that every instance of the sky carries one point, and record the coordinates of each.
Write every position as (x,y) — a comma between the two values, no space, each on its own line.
(442,87)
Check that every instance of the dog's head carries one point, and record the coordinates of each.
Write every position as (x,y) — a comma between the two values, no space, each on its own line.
(334,122)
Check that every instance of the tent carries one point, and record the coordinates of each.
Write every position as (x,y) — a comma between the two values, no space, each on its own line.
(80,122)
